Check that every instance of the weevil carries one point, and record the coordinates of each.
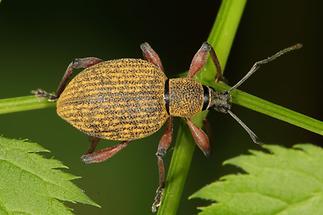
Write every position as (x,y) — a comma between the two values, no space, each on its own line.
(128,99)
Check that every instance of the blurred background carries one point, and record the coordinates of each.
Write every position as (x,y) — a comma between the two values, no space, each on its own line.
(38,39)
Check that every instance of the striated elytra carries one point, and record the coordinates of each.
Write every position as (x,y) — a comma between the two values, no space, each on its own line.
(116,100)
(128,99)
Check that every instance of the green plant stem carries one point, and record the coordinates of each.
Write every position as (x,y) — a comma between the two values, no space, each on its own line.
(273,110)
(23,103)
(239,97)
(221,38)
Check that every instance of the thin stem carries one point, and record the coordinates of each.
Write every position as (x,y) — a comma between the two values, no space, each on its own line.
(221,38)
(271,109)
(23,103)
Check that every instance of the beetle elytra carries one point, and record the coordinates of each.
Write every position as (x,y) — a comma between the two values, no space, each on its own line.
(128,99)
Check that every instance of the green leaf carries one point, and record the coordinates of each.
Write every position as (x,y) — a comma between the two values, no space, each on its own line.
(284,181)
(32,184)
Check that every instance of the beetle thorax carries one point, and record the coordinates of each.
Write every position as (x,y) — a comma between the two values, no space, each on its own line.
(186,97)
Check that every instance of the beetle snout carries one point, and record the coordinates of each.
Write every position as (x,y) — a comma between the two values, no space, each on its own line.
(220,101)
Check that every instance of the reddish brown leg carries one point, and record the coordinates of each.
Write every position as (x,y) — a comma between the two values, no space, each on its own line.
(200,137)
(163,145)
(94,142)
(103,154)
(78,63)
(200,58)
(151,55)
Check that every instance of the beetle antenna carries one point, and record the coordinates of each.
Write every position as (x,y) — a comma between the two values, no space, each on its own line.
(257,65)
(252,135)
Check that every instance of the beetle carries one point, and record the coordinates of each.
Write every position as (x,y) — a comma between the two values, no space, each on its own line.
(128,99)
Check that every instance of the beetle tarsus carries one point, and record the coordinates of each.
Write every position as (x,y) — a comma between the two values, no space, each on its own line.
(44,94)
(157,200)
(163,145)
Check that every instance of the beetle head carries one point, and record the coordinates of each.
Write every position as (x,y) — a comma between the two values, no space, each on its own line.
(220,101)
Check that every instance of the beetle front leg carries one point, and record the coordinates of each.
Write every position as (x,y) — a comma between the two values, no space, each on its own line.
(78,63)
(200,138)
(150,55)
(163,145)
(199,61)
(103,154)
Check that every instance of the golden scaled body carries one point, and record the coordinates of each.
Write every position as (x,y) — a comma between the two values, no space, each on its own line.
(115,100)
(124,99)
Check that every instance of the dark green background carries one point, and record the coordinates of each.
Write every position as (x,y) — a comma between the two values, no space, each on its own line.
(39,38)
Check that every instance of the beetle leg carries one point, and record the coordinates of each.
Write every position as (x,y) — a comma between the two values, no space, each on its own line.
(200,138)
(150,55)
(163,145)
(94,142)
(200,59)
(103,154)
(77,63)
